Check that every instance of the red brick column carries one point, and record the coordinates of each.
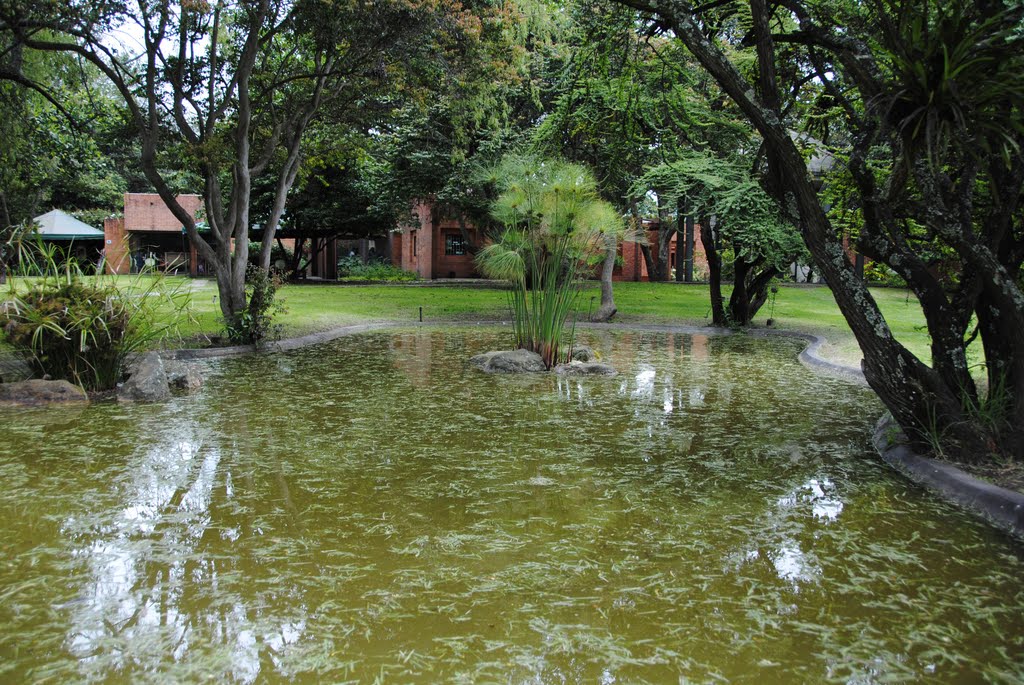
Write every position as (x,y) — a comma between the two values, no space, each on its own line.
(115,245)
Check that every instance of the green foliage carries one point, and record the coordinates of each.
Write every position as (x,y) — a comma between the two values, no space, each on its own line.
(255,323)
(554,222)
(955,70)
(877,272)
(59,157)
(86,329)
(354,269)
(748,219)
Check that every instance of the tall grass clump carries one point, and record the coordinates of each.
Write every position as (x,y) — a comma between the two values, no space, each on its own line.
(85,328)
(554,225)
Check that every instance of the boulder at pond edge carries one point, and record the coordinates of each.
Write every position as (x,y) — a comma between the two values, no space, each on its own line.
(576,368)
(583,353)
(34,392)
(148,382)
(183,376)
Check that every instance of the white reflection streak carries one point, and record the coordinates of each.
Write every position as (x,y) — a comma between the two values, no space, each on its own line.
(131,610)
(122,602)
(791,563)
(645,381)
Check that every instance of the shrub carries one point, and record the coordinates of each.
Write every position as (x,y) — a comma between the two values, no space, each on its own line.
(353,269)
(86,329)
(880,274)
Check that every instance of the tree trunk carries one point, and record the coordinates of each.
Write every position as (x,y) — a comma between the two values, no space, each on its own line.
(650,262)
(607,310)
(297,257)
(665,232)
(913,392)
(759,290)
(739,302)
(707,236)
(689,245)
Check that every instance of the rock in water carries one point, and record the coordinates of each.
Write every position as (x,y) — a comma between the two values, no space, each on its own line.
(148,383)
(509,361)
(183,376)
(583,353)
(585,369)
(40,392)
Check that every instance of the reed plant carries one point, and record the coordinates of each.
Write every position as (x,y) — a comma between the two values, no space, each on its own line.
(555,224)
(85,328)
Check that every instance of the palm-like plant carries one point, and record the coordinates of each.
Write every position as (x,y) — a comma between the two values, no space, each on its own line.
(554,223)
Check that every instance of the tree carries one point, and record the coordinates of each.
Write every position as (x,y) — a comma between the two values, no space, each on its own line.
(443,147)
(230,88)
(931,97)
(748,234)
(605,115)
(55,154)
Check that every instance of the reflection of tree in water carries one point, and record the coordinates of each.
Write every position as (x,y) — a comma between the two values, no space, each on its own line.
(164,567)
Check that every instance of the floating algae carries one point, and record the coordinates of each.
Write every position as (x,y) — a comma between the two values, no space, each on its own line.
(370,510)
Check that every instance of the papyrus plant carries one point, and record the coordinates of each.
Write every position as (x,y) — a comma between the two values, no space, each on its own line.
(555,223)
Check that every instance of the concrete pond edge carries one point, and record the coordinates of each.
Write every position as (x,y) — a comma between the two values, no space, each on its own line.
(1002,507)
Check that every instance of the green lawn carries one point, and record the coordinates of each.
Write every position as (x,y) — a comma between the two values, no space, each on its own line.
(798,308)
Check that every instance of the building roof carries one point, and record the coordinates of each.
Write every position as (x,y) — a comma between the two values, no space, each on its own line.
(58,225)
(821,160)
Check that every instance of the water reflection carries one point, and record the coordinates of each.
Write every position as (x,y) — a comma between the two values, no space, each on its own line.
(156,567)
(405,518)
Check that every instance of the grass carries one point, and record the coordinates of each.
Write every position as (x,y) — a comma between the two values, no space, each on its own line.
(809,309)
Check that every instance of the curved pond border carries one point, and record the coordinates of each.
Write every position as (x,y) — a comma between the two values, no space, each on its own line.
(1002,507)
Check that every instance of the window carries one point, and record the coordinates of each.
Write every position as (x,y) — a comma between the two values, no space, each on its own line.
(413,244)
(454,244)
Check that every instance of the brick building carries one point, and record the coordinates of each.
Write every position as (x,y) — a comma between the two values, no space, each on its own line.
(149,231)
(435,246)
(633,267)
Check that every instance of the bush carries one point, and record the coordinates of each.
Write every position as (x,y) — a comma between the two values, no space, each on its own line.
(353,269)
(255,324)
(86,329)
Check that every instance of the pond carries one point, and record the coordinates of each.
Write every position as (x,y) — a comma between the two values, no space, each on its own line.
(374,509)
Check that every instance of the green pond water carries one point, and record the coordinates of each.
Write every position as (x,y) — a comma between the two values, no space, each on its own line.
(374,509)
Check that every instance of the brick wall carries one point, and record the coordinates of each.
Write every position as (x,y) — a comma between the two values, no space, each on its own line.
(395,238)
(634,267)
(147,212)
(452,266)
(115,245)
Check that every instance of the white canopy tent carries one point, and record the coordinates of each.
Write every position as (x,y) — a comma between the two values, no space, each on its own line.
(58,225)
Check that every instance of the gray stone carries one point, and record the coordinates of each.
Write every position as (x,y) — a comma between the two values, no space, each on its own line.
(509,361)
(41,392)
(183,376)
(583,353)
(585,369)
(148,382)
(13,369)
